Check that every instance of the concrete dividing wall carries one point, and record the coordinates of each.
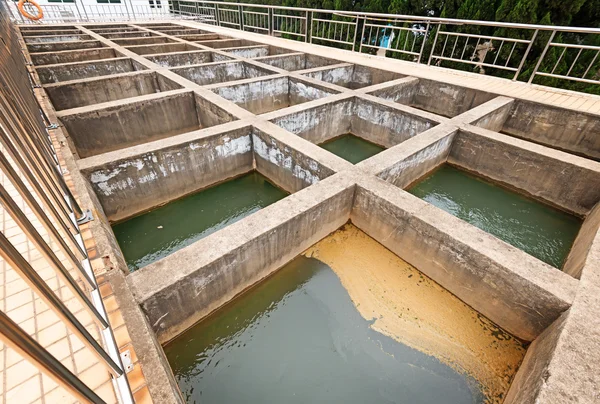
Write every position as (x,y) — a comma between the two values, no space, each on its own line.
(354,76)
(139,182)
(566,181)
(418,157)
(187,58)
(564,129)
(289,168)
(63,46)
(161,48)
(84,70)
(50,58)
(212,271)
(581,247)
(316,125)
(517,292)
(105,89)
(157,116)
(221,72)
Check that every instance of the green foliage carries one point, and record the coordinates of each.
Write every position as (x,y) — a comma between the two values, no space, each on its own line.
(583,13)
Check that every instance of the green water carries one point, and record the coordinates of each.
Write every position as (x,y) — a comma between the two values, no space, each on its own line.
(352,148)
(162,231)
(298,338)
(537,229)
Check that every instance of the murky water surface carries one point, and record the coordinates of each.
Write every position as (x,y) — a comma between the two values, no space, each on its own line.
(352,148)
(301,337)
(162,231)
(538,229)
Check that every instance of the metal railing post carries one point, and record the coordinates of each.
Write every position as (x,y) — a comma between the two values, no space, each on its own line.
(424,42)
(539,62)
(309,18)
(355,34)
(362,35)
(241,13)
(217,18)
(526,54)
(30,349)
(439,26)
(270,17)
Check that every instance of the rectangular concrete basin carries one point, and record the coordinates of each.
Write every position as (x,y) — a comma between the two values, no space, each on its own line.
(83,70)
(573,131)
(161,48)
(82,55)
(221,72)
(128,34)
(297,61)
(256,51)
(104,89)
(353,76)
(200,37)
(268,95)
(187,58)
(448,100)
(372,122)
(63,46)
(50,32)
(115,30)
(128,123)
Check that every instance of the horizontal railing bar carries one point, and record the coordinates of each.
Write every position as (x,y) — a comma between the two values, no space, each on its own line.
(392,49)
(559,76)
(575,46)
(485,37)
(512,69)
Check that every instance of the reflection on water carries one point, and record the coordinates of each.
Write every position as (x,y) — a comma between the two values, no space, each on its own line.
(162,231)
(298,338)
(538,229)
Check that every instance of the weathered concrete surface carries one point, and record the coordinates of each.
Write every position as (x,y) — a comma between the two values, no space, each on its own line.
(417,157)
(439,98)
(376,123)
(48,31)
(269,95)
(227,43)
(122,123)
(519,293)
(569,182)
(56,38)
(212,271)
(63,46)
(583,243)
(51,58)
(187,58)
(161,48)
(287,167)
(297,61)
(564,129)
(142,41)
(255,51)
(131,34)
(221,72)
(353,76)
(132,181)
(84,70)
(66,95)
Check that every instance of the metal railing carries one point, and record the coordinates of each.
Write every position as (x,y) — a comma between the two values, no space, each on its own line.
(36,198)
(553,55)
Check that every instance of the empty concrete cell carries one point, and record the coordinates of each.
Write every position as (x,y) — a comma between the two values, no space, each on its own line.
(124,123)
(221,72)
(185,32)
(50,32)
(268,95)
(187,58)
(120,29)
(142,41)
(523,194)
(104,89)
(353,76)
(63,46)
(200,37)
(444,99)
(35,28)
(84,70)
(81,55)
(573,131)
(354,129)
(161,48)
(56,38)
(101,27)
(256,51)
(297,61)
(227,43)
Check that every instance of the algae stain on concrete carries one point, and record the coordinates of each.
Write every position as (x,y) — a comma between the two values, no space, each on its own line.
(540,230)
(409,307)
(298,337)
(352,148)
(162,231)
